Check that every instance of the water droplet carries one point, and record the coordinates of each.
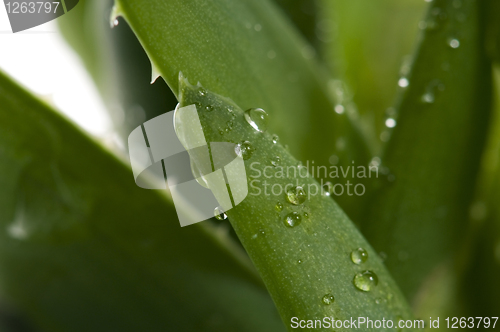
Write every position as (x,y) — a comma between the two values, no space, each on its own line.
(306,215)
(430,92)
(403,82)
(428,98)
(334,159)
(198,175)
(219,213)
(390,123)
(365,281)
(327,189)
(202,91)
(453,42)
(257,118)
(275,139)
(359,256)
(276,161)
(115,22)
(296,195)
(375,161)
(209,108)
(328,299)
(299,261)
(279,207)
(244,149)
(339,109)
(229,125)
(293,219)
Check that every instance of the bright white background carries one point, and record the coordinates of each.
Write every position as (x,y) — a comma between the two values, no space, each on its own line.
(40,60)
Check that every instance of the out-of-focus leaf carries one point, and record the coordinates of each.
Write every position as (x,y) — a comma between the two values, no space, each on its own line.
(82,248)
(309,259)
(480,283)
(304,16)
(492,42)
(118,65)
(246,50)
(366,43)
(420,218)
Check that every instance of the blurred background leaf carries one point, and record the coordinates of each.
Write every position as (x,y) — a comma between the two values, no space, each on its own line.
(419,217)
(118,65)
(82,248)
(368,45)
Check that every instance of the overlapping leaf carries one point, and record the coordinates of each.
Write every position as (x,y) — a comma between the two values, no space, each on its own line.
(84,249)
(419,217)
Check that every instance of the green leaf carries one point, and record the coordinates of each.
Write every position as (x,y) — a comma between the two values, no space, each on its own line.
(301,264)
(82,248)
(483,263)
(420,219)
(247,51)
(118,64)
(367,45)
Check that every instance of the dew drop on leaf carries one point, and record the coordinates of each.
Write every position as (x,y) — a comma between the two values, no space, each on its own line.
(390,123)
(276,161)
(359,256)
(365,281)
(296,195)
(403,82)
(453,42)
(279,207)
(339,109)
(244,149)
(327,189)
(293,219)
(202,92)
(257,118)
(275,139)
(328,299)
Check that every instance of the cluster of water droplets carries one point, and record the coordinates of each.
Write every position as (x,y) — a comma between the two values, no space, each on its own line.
(342,97)
(365,280)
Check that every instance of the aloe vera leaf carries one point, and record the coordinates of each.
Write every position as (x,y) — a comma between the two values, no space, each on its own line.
(420,218)
(301,264)
(247,51)
(82,248)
